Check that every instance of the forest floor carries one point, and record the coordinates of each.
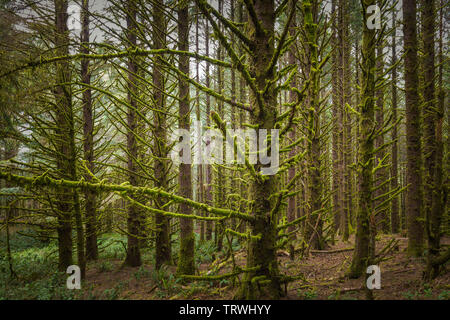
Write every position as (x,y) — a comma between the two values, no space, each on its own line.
(401,278)
(35,266)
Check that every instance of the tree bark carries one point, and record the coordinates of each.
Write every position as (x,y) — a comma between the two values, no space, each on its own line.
(365,220)
(262,251)
(337,127)
(314,223)
(291,209)
(133,257)
(413,132)
(433,143)
(381,174)
(64,131)
(208,187)
(186,263)
(88,139)
(395,217)
(161,169)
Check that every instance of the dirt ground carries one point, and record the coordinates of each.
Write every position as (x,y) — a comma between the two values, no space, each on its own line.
(324,278)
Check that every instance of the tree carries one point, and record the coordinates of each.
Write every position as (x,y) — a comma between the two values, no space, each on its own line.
(291,209)
(337,41)
(133,257)
(381,175)
(413,132)
(433,115)
(395,217)
(314,223)
(88,138)
(364,240)
(161,169)
(186,263)
(64,121)
(208,169)
(262,251)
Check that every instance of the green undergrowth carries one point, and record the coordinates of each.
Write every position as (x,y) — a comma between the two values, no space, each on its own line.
(35,265)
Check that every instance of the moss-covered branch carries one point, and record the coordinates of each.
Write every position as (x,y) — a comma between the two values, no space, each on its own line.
(45,181)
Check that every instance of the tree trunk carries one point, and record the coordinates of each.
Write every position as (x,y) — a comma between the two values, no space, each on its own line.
(313,229)
(433,143)
(413,143)
(381,175)
(186,263)
(291,209)
(365,220)
(161,171)
(265,281)
(133,257)
(395,218)
(200,185)
(64,131)
(88,139)
(220,189)
(208,187)
(337,127)
(346,134)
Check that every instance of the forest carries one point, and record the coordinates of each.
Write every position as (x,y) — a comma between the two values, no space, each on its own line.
(224,149)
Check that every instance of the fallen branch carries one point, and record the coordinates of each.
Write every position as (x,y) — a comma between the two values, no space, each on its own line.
(333,251)
(350,289)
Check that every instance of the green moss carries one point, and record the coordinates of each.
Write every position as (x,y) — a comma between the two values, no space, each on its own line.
(186,258)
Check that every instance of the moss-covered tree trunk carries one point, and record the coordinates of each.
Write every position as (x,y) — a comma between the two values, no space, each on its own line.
(243,188)
(160,148)
(291,208)
(395,214)
(68,203)
(433,143)
(133,257)
(364,216)
(264,282)
(381,174)
(356,129)
(88,139)
(337,128)
(346,128)
(413,132)
(233,174)
(64,132)
(208,169)
(314,223)
(200,185)
(220,185)
(186,263)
